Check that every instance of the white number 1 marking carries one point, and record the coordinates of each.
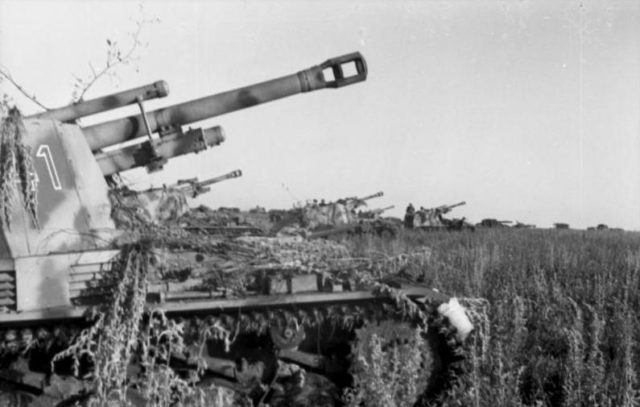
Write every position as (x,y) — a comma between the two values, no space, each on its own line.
(45,152)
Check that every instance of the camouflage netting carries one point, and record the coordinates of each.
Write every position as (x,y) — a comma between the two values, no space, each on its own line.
(203,217)
(160,255)
(232,264)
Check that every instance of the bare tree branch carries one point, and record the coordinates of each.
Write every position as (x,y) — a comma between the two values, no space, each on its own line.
(4,73)
(115,57)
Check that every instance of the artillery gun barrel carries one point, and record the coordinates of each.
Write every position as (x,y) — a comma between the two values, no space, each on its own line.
(199,185)
(346,70)
(376,195)
(449,207)
(386,208)
(77,110)
(229,175)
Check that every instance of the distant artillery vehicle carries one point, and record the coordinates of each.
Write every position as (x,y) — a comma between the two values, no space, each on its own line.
(520,225)
(603,227)
(338,213)
(320,216)
(561,225)
(367,222)
(493,223)
(433,219)
(168,203)
(54,272)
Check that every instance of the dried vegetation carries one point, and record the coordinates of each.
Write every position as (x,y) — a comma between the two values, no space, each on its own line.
(559,324)
(17,175)
(126,333)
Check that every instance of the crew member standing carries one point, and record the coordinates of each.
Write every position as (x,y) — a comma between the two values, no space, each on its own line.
(408,217)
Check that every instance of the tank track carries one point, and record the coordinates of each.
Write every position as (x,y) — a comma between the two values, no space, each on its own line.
(266,339)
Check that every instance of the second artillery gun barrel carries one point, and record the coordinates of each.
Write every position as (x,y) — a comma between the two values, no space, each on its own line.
(346,70)
(75,111)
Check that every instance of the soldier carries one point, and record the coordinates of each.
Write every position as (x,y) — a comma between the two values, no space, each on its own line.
(408,217)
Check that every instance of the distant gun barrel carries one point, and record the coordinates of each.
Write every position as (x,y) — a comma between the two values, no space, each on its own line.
(220,178)
(380,211)
(81,109)
(386,208)
(193,187)
(333,73)
(447,208)
(368,197)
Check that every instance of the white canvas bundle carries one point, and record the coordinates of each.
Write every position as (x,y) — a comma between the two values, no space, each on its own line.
(457,316)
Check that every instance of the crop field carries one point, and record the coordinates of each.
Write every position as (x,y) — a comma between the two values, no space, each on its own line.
(556,312)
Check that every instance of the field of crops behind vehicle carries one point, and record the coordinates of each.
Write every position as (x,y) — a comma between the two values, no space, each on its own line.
(556,312)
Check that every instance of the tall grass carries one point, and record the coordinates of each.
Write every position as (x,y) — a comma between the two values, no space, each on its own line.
(562,317)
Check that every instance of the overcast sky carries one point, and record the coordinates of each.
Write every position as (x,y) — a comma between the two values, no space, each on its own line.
(526,110)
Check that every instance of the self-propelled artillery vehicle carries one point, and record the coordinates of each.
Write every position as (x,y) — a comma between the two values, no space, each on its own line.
(368,222)
(53,274)
(322,216)
(341,212)
(169,202)
(433,219)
